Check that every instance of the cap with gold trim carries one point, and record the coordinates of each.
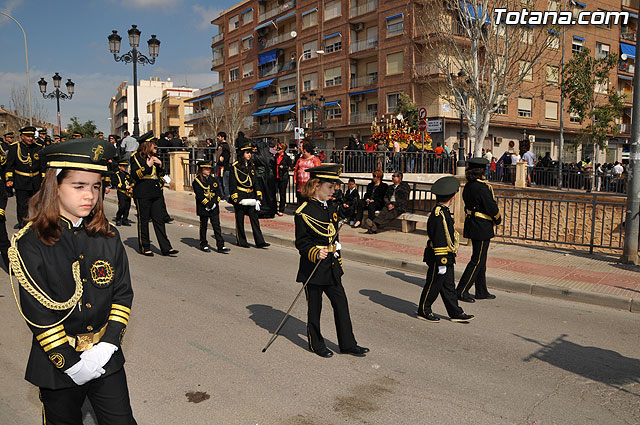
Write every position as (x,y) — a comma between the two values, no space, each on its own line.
(326,172)
(245,145)
(76,135)
(205,164)
(9,134)
(79,154)
(477,162)
(445,186)
(124,160)
(28,131)
(146,137)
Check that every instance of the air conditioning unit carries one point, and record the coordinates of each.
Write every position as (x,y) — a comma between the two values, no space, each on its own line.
(497,140)
(329,135)
(358,27)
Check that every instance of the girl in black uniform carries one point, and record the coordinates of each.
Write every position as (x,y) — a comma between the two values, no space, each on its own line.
(146,170)
(207,193)
(75,289)
(316,227)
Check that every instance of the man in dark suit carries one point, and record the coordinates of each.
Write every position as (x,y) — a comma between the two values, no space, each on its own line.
(396,202)
(348,208)
(373,199)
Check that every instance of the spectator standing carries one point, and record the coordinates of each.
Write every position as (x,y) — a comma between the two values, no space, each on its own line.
(282,164)
(530,157)
(223,156)
(129,144)
(396,155)
(306,161)
(411,152)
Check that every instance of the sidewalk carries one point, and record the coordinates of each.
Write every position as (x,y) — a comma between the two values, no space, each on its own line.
(576,276)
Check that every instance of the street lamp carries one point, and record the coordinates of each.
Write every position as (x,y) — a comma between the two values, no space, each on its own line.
(26,58)
(57,94)
(298,88)
(463,98)
(313,107)
(135,57)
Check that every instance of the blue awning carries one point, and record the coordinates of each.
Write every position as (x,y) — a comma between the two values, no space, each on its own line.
(399,15)
(335,34)
(333,103)
(553,32)
(575,37)
(270,56)
(247,37)
(305,107)
(631,14)
(474,12)
(628,49)
(288,15)
(624,77)
(363,92)
(248,10)
(281,110)
(263,84)
(266,24)
(262,112)
(309,11)
(577,3)
(204,98)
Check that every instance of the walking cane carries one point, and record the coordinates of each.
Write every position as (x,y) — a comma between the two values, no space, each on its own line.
(286,315)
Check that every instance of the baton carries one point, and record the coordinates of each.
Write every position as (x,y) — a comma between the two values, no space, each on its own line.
(286,315)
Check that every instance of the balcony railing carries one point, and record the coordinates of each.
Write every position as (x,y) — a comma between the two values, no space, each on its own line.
(217,38)
(276,40)
(628,34)
(625,128)
(277,10)
(363,118)
(287,96)
(369,43)
(394,29)
(369,6)
(277,127)
(626,67)
(212,88)
(217,62)
(264,100)
(364,81)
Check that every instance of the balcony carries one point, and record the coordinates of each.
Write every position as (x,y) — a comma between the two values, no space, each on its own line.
(265,100)
(217,62)
(121,106)
(370,6)
(367,80)
(217,38)
(630,3)
(275,40)
(212,88)
(363,118)
(277,10)
(625,128)
(626,67)
(196,116)
(358,46)
(277,127)
(287,97)
(628,34)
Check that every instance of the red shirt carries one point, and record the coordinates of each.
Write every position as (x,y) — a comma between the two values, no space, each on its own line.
(439,150)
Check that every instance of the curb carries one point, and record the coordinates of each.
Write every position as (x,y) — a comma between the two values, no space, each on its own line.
(500,283)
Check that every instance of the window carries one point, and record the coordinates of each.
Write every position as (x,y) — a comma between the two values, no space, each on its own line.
(287,89)
(333,76)
(602,50)
(392,102)
(552,74)
(527,73)
(553,40)
(601,87)
(577,8)
(234,99)
(309,49)
(372,109)
(310,81)
(247,16)
(233,48)
(527,35)
(554,6)
(503,108)
(247,43)
(395,25)
(605,24)
(247,96)
(577,44)
(310,18)
(332,9)
(247,70)
(394,63)
(234,23)
(233,74)
(551,110)
(524,107)
(574,117)
(333,43)
(333,113)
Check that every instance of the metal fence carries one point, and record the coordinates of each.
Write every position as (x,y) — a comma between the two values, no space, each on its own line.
(359,161)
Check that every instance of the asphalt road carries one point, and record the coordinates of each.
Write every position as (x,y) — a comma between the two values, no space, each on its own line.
(199,322)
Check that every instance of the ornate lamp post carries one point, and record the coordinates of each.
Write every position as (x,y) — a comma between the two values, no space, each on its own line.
(313,107)
(135,57)
(57,94)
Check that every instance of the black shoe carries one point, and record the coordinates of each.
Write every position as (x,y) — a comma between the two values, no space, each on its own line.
(205,248)
(171,253)
(429,317)
(224,250)
(263,245)
(243,245)
(356,351)
(17,226)
(324,352)
(147,253)
(118,222)
(126,222)
(467,299)
(463,318)
(486,297)
(169,220)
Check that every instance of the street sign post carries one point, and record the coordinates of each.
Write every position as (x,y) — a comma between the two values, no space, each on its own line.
(422,114)
(422,125)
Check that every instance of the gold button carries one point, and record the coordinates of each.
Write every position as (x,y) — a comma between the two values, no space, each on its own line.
(81,257)
(89,328)
(75,233)
(88,305)
(84,280)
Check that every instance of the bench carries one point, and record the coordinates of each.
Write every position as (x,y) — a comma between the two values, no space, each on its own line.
(408,221)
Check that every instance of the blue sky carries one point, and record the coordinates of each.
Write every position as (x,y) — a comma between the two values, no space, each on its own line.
(70,37)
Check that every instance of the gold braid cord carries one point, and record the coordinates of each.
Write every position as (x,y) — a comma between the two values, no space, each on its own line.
(323,228)
(451,245)
(18,268)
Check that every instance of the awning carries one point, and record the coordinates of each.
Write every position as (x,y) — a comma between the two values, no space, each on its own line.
(248,10)
(553,32)
(335,34)
(333,103)
(270,56)
(247,37)
(204,98)
(575,37)
(263,84)
(362,92)
(266,24)
(262,112)
(399,15)
(631,14)
(624,77)
(474,12)
(288,15)
(628,49)
(309,11)
(281,110)
(577,3)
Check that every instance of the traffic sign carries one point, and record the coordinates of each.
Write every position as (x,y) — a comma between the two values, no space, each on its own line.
(422,125)
(434,126)
(422,114)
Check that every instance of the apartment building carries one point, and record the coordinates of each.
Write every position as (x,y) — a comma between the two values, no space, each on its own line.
(354,57)
(169,111)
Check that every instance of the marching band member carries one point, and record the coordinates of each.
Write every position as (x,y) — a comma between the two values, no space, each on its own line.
(208,195)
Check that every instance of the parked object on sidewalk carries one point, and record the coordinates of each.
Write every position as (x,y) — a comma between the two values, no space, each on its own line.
(207,191)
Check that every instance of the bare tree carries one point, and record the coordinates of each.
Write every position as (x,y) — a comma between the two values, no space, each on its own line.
(481,62)
(213,117)
(234,119)
(20,106)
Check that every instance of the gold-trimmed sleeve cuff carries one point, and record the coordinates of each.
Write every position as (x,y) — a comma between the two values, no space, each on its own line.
(204,201)
(119,313)
(52,338)
(313,254)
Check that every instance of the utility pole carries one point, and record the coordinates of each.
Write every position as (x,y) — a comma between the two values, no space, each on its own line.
(561,145)
(632,222)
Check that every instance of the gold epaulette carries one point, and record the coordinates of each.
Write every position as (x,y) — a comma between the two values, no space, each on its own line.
(437,210)
(234,163)
(301,207)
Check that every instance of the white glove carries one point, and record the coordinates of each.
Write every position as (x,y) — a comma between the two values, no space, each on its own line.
(100,353)
(442,269)
(84,371)
(338,248)
(257,205)
(212,208)
(166,179)
(248,202)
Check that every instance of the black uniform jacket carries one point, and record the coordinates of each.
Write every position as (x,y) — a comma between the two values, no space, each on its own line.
(351,197)
(146,179)
(442,245)
(106,299)
(376,193)
(481,210)
(401,202)
(23,166)
(243,183)
(207,195)
(121,180)
(285,164)
(316,226)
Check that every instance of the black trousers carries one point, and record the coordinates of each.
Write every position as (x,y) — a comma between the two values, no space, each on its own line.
(386,216)
(124,205)
(338,300)
(281,185)
(109,397)
(439,284)
(347,213)
(241,211)
(476,270)
(215,223)
(371,209)
(151,209)
(165,212)
(22,204)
